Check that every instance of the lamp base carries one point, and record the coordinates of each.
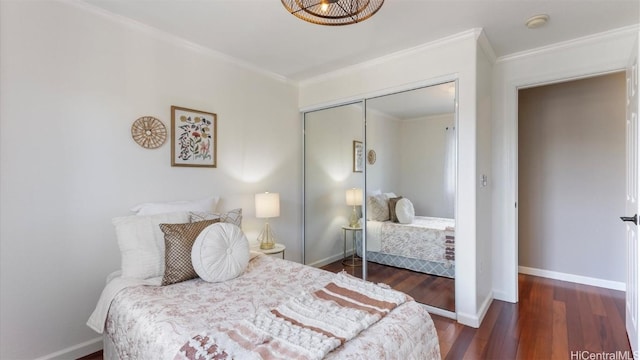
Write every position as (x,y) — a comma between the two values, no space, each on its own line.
(266,238)
(353,219)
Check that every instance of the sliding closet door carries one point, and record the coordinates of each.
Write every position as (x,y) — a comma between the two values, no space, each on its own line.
(411,181)
(333,167)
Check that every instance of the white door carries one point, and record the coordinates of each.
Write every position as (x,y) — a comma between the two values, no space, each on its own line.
(632,201)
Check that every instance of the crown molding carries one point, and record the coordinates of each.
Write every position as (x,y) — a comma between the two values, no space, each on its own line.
(485,45)
(472,33)
(175,40)
(602,36)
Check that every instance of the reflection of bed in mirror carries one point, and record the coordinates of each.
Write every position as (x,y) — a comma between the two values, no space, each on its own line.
(418,243)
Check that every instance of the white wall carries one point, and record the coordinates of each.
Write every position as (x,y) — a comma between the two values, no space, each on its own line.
(434,63)
(579,58)
(73,82)
(383,136)
(329,136)
(571,172)
(422,158)
(484,82)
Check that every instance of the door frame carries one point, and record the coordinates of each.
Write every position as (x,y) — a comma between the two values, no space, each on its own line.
(631,202)
(507,230)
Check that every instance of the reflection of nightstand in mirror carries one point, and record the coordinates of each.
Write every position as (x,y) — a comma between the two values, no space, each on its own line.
(353,261)
(277,249)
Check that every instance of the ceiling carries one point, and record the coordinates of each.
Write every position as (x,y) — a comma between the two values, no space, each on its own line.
(263,34)
(412,104)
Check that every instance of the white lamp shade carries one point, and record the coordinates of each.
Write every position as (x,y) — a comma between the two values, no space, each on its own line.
(267,205)
(354,197)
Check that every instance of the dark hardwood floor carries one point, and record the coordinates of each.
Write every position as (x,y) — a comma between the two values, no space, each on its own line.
(552,320)
(428,289)
(94,356)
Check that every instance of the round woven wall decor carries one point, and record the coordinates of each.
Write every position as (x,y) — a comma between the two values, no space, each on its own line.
(149,132)
(371,157)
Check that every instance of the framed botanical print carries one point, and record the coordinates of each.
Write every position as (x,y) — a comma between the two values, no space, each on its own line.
(194,136)
(358,156)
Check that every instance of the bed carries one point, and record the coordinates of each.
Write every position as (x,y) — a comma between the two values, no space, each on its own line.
(426,245)
(279,306)
(154,322)
(397,237)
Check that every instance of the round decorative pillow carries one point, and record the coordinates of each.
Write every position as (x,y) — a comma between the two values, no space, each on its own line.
(405,211)
(220,252)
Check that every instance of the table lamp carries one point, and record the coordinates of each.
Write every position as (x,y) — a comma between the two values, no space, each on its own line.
(267,206)
(354,198)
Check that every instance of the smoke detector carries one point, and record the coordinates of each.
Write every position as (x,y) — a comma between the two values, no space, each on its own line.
(537,21)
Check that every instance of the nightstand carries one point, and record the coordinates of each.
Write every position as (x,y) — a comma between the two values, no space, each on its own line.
(278,249)
(353,261)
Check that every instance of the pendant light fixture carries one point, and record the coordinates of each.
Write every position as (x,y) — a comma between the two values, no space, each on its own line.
(333,12)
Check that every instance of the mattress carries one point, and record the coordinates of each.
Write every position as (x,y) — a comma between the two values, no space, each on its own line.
(154,322)
(427,245)
(427,238)
(423,266)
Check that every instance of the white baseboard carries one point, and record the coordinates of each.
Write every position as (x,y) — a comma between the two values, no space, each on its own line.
(503,296)
(468,319)
(441,312)
(485,307)
(578,279)
(76,351)
(474,320)
(329,260)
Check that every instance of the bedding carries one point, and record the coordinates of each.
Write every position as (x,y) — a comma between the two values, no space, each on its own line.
(141,243)
(232,217)
(426,245)
(154,322)
(178,242)
(220,253)
(405,211)
(207,204)
(308,326)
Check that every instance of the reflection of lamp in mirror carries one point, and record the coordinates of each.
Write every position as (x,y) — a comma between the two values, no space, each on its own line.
(267,206)
(354,198)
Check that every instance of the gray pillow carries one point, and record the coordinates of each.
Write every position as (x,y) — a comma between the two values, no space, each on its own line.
(392,208)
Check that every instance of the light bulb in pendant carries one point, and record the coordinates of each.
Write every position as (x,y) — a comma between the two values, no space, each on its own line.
(324,6)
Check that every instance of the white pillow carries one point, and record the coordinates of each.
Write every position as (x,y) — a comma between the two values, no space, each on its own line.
(141,243)
(405,211)
(374,192)
(378,208)
(209,205)
(232,217)
(220,252)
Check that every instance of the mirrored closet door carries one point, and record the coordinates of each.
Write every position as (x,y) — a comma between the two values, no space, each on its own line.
(333,186)
(410,195)
(399,170)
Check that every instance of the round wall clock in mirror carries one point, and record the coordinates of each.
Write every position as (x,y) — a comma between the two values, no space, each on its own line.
(149,132)
(371,157)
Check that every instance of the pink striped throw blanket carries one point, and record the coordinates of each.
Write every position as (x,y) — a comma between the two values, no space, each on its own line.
(305,327)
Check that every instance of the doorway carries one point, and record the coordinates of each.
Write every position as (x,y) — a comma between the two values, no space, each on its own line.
(571,180)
